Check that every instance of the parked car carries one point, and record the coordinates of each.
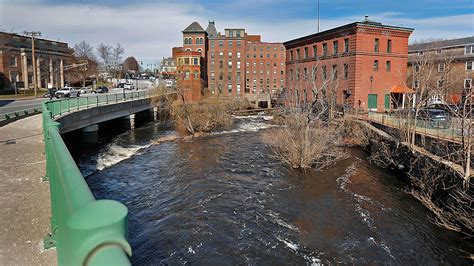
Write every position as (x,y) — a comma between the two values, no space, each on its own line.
(102,89)
(85,90)
(433,118)
(50,93)
(451,109)
(67,92)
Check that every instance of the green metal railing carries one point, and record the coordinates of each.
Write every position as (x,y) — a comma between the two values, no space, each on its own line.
(4,118)
(63,106)
(84,230)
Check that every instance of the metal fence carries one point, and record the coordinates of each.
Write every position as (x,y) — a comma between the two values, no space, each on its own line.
(451,131)
(11,116)
(63,106)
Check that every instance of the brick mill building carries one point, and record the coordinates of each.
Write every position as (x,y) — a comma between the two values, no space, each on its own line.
(365,61)
(234,64)
(16,65)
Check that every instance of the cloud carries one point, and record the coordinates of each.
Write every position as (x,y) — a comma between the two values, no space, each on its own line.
(148,31)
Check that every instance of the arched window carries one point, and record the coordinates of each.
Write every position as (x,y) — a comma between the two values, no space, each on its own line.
(199,50)
(186,74)
(188,50)
(196,74)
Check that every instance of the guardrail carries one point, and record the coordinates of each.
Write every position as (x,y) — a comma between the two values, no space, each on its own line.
(84,230)
(12,116)
(63,106)
(451,131)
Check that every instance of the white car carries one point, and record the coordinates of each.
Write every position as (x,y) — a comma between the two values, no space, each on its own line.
(85,90)
(67,92)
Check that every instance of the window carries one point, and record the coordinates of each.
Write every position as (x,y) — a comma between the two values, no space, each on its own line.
(298,54)
(325,49)
(268,55)
(416,84)
(469,49)
(441,67)
(469,66)
(306,52)
(231,34)
(389,46)
(186,74)
(238,88)
(230,44)
(186,61)
(213,75)
(305,73)
(439,51)
(239,43)
(346,71)
(467,83)
(388,66)
(237,33)
(196,61)
(335,47)
(325,74)
(230,54)
(238,64)
(196,74)
(221,64)
(213,44)
(417,68)
(298,74)
(346,45)
(376,45)
(376,65)
(334,72)
(440,83)
(212,54)
(421,53)
(13,61)
(315,51)
(291,55)
(221,44)
(221,54)
(230,63)
(247,64)
(229,88)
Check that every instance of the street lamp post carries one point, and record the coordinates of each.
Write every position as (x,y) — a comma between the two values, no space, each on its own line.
(138,72)
(33,34)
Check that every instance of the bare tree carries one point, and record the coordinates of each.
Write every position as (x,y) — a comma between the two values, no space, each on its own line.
(130,65)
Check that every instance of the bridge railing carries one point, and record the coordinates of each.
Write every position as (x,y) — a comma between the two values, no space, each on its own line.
(85,231)
(12,116)
(63,106)
(450,131)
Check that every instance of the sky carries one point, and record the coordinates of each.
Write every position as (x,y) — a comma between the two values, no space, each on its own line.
(148,29)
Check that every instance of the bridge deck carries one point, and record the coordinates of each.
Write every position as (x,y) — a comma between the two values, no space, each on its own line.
(24,199)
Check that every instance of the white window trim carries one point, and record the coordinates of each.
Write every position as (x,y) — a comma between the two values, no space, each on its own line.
(439,67)
(470,83)
(472,65)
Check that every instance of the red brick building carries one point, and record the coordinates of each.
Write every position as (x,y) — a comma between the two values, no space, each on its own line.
(366,59)
(189,75)
(234,64)
(241,65)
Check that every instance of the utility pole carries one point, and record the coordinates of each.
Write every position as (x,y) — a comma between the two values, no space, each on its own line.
(318,16)
(33,34)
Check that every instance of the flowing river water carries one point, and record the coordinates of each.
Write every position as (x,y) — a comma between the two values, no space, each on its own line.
(222,199)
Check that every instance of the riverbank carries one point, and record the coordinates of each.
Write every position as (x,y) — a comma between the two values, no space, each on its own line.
(24,198)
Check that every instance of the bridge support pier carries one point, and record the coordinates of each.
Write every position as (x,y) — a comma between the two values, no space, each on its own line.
(91,133)
(129,121)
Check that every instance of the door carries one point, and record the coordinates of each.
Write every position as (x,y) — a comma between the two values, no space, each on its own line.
(372,102)
(387,102)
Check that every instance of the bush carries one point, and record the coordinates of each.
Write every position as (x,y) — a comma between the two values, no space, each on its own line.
(303,143)
(207,115)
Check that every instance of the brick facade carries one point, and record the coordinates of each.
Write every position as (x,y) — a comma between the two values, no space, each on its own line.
(361,58)
(16,65)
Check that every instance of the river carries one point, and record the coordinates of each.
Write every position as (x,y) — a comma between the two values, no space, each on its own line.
(222,199)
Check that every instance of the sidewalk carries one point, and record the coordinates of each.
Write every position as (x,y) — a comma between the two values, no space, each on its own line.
(24,199)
